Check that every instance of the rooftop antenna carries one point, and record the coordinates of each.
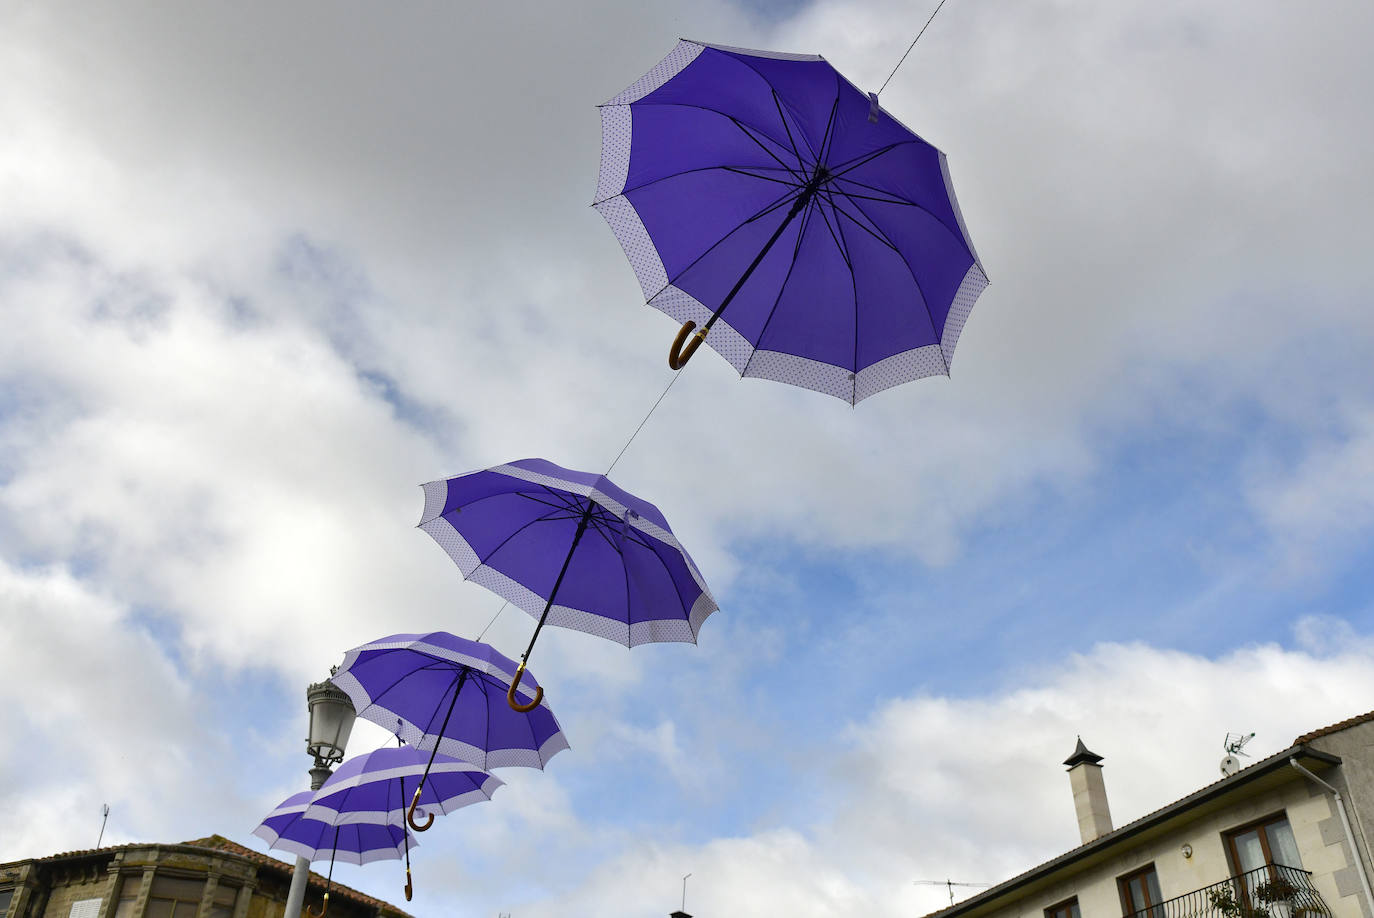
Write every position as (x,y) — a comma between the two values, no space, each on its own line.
(950,884)
(684,893)
(1234,744)
(104,815)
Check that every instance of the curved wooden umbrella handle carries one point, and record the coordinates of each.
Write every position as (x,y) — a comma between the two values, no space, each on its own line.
(410,890)
(677,354)
(514,684)
(410,814)
(324,909)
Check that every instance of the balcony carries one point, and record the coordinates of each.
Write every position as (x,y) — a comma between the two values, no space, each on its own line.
(1273,891)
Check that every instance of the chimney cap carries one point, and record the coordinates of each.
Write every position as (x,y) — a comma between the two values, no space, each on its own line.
(1082,754)
(679,914)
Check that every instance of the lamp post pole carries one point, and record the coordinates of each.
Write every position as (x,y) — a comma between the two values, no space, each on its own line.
(331,720)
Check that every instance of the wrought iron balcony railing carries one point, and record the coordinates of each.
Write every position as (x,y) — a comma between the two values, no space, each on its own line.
(1272,891)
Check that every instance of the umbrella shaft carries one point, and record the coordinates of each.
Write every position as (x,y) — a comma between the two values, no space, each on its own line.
(581,528)
(462,677)
(797,206)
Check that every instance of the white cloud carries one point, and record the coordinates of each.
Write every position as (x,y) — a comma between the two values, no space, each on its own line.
(935,786)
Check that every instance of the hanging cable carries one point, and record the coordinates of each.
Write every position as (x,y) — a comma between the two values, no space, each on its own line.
(643,422)
(908,50)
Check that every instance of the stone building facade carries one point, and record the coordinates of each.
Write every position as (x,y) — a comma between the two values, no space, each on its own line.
(207,878)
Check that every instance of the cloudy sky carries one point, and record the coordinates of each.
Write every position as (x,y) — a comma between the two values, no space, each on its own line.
(266,267)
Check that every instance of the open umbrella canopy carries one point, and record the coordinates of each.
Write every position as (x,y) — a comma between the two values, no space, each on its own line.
(440,691)
(814,238)
(516,527)
(378,787)
(287,828)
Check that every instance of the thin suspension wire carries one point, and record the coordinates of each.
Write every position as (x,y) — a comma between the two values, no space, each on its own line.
(493,620)
(908,50)
(643,422)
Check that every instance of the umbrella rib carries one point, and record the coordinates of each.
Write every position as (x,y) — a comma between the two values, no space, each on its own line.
(663,178)
(763,132)
(842,243)
(782,119)
(785,199)
(769,84)
(874,232)
(882,237)
(834,230)
(795,174)
(762,178)
(902,202)
(827,138)
(863,158)
(401,678)
(482,561)
(782,288)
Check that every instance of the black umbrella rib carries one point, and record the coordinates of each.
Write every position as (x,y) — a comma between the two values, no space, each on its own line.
(882,237)
(782,119)
(848,166)
(776,205)
(747,133)
(759,129)
(828,137)
(843,244)
(834,230)
(762,178)
(663,178)
(777,300)
(538,519)
(878,236)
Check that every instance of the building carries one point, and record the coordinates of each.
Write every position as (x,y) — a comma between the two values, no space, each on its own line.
(206,878)
(1282,838)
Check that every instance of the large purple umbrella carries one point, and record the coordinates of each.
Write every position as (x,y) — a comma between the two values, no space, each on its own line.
(373,789)
(571,549)
(288,829)
(445,694)
(814,238)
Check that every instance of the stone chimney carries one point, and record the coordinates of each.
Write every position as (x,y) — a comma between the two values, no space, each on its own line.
(1089,793)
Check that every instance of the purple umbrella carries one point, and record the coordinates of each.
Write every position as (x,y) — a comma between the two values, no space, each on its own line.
(372,789)
(518,528)
(814,238)
(288,828)
(444,694)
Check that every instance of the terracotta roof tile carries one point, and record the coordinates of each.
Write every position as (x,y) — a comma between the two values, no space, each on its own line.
(1335,728)
(220,843)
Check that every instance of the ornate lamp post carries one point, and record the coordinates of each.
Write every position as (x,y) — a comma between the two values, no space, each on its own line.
(331,720)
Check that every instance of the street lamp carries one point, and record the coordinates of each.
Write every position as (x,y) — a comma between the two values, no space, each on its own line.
(331,720)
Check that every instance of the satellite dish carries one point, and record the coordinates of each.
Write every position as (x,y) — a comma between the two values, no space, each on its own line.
(1229,765)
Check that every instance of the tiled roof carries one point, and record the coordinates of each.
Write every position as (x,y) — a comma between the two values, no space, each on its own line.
(1335,728)
(220,843)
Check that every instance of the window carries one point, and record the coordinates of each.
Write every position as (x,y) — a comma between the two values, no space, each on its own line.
(222,904)
(5,896)
(1140,894)
(1269,841)
(174,897)
(1067,909)
(1257,849)
(85,908)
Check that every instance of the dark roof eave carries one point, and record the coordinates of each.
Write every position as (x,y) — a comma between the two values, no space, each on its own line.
(1210,792)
